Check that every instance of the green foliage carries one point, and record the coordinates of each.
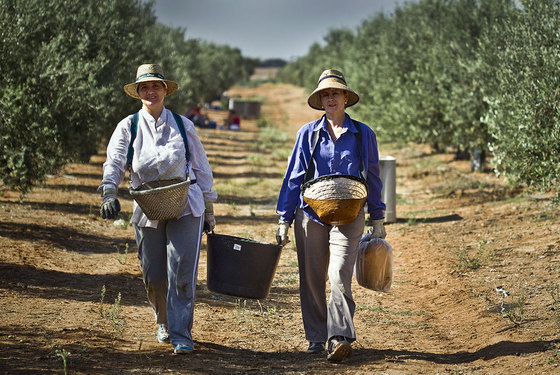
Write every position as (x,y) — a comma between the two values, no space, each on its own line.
(524,115)
(115,317)
(60,71)
(516,310)
(64,64)
(464,74)
(63,354)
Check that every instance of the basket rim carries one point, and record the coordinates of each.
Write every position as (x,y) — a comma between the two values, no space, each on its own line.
(241,239)
(307,184)
(135,192)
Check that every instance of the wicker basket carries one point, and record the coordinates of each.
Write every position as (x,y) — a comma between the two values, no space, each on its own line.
(336,199)
(162,200)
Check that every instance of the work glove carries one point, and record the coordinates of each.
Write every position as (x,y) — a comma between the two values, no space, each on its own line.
(377,230)
(282,233)
(110,207)
(209,219)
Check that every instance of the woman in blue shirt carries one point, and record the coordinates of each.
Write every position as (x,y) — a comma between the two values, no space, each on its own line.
(325,249)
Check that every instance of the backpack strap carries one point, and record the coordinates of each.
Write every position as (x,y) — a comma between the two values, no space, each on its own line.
(310,169)
(133,130)
(133,127)
(181,127)
(360,146)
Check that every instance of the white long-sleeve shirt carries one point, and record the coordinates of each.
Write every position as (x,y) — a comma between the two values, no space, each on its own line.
(159,154)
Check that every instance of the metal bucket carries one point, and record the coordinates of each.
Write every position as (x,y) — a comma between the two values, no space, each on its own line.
(388,167)
(240,267)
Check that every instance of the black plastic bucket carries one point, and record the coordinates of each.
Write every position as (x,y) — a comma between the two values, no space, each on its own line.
(241,267)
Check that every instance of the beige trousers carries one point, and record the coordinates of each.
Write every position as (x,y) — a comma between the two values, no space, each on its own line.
(327,250)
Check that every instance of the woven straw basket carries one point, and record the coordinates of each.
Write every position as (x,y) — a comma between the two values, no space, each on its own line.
(162,200)
(336,199)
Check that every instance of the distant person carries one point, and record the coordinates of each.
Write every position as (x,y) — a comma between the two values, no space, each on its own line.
(168,249)
(192,112)
(195,115)
(333,145)
(232,121)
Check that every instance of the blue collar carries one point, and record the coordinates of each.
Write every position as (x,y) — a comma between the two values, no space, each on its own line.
(348,124)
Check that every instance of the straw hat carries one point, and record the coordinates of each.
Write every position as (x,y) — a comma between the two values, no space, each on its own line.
(331,79)
(149,72)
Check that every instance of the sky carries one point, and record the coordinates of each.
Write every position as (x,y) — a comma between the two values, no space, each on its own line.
(268,29)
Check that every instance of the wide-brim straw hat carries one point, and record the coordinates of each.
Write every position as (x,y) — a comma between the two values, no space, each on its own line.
(331,79)
(149,72)
(336,199)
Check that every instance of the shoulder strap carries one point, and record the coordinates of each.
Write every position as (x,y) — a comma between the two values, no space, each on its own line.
(133,130)
(360,146)
(133,127)
(310,169)
(181,127)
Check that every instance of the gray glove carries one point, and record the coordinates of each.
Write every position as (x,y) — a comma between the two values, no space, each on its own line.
(377,230)
(282,233)
(209,219)
(110,207)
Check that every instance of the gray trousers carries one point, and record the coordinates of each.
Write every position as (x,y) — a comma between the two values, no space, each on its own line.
(169,260)
(327,250)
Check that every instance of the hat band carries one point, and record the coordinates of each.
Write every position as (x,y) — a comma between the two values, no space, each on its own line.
(332,76)
(151,75)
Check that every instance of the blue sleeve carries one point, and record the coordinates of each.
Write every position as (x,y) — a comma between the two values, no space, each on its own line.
(374,203)
(289,197)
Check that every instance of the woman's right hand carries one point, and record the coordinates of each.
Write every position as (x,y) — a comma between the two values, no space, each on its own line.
(110,207)
(282,233)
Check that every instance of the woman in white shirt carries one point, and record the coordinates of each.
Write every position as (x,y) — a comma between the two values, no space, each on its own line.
(168,249)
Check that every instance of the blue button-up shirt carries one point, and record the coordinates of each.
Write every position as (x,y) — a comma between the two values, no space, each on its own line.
(331,157)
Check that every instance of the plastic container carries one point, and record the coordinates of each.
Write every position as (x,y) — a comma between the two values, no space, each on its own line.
(374,264)
(388,174)
(240,267)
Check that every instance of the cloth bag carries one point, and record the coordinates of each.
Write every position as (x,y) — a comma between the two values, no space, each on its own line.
(374,264)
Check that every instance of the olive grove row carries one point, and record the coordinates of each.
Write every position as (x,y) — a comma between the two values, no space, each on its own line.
(479,76)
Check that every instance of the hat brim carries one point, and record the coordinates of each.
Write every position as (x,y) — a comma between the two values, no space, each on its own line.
(130,89)
(314,99)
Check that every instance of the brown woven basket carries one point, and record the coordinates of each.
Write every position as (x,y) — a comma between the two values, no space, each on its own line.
(336,199)
(162,200)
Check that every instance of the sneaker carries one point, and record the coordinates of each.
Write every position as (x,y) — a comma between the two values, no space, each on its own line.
(163,333)
(339,349)
(316,347)
(182,349)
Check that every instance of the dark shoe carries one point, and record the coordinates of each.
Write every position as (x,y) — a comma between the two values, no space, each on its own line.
(316,347)
(339,349)
(182,349)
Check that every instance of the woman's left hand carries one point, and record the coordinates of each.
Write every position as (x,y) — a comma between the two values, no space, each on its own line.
(377,229)
(209,219)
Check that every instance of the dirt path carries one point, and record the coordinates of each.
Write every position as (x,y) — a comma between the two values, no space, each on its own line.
(458,237)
